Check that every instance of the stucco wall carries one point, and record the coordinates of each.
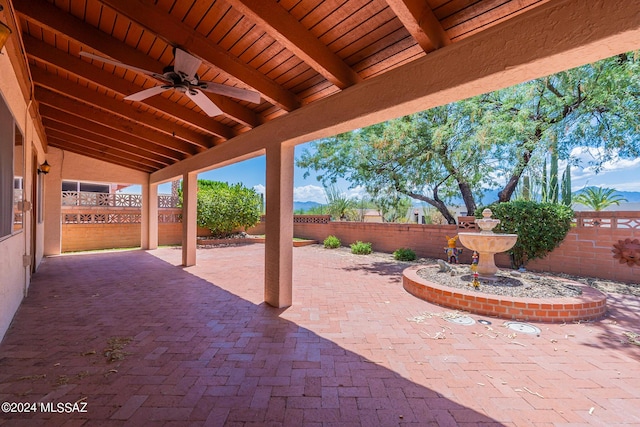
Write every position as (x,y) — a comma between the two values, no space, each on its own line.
(12,279)
(14,276)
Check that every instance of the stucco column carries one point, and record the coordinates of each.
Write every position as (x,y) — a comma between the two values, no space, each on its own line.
(278,281)
(52,192)
(189,218)
(149,225)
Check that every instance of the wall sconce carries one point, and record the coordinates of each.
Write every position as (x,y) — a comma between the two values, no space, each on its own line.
(44,168)
(5,32)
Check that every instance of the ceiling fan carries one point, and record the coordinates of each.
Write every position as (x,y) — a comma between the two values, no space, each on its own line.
(182,76)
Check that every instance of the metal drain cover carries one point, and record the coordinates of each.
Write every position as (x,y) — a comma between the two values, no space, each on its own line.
(461,320)
(525,328)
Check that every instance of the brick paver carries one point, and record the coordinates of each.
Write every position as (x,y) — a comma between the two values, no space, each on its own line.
(197,346)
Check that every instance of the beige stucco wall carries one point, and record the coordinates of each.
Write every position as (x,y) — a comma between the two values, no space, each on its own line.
(14,275)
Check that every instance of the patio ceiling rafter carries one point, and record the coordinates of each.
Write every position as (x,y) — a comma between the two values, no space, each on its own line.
(115,106)
(419,19)
(82,149)
(290,33)
(77,119)
(178,34)
(55,105)
(66,132)
(62,24)
(74,65)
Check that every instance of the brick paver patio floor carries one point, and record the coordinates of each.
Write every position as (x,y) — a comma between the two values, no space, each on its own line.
(196,346)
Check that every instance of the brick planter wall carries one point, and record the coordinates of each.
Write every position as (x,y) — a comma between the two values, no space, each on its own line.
(591,305)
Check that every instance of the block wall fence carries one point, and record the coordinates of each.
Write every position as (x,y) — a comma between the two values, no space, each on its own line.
(587,250)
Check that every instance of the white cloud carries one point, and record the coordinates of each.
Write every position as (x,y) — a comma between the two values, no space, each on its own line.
(260,188)
(588,154)
(309,193)
(628,186)
(357,192)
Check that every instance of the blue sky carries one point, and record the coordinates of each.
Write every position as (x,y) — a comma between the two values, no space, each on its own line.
(252,173)
(621,174)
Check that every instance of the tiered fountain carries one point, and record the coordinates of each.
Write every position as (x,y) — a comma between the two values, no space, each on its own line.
(589,305)
(487,243)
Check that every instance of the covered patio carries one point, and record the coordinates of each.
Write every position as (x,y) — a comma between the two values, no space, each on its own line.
(144,342)
(318,69)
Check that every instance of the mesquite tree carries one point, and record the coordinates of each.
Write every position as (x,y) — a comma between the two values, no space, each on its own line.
(490,140)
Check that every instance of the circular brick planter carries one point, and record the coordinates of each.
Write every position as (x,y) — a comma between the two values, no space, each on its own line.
(591,305)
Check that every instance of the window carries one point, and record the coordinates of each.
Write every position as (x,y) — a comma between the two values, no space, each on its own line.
(85,186)
(10,197)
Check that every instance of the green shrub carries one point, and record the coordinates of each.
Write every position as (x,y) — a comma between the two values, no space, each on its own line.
(361,248)
(224,208)
(540,227)
(331,242)
(404,254)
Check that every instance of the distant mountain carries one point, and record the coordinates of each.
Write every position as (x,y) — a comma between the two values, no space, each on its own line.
(305,206)
(631,196)
(491,196)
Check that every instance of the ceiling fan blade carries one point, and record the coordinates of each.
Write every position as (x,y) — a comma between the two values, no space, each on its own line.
(117,63)
(147,93)
(204,102)
(230,91)
(187,64)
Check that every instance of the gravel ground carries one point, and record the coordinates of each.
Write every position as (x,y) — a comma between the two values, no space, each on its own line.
(507,283)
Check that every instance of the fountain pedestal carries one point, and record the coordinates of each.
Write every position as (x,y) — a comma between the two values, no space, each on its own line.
(487,244)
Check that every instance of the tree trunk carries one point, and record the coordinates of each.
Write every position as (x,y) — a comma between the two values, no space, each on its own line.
(467,197)
(505,194)
(507,191)
(435,202)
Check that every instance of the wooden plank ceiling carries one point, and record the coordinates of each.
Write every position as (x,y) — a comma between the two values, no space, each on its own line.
(293,52)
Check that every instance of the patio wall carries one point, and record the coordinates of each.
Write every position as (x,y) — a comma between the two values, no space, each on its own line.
(86,237)
(587,249)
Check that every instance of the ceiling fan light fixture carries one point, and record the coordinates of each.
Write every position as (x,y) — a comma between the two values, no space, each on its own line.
(183,77)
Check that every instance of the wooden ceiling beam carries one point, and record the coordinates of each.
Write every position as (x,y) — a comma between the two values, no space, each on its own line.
(114,106)
(76,119)
(88,139)
(176,33)
(48,54)
(59,22)
(418,18)
(90,144)
(283,27)
(152,138)
(65,145)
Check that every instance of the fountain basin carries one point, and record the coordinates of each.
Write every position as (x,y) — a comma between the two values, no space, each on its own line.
(590,305)
(487,244)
